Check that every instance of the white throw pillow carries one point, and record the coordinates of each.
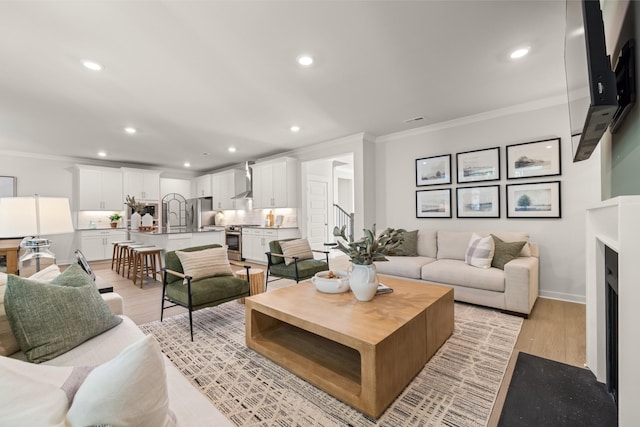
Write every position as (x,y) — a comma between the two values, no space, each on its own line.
(29,402)
(480,251)
(129,390)
(297,247)
(205,263)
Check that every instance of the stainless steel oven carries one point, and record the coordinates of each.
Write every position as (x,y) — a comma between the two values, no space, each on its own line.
(233,240)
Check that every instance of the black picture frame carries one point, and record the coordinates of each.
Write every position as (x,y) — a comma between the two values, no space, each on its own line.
(534,159)
(478,165)
(478,202)
(539,199)
(434,203)
(435,170)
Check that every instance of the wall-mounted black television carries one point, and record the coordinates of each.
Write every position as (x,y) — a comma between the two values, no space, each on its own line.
(591,83)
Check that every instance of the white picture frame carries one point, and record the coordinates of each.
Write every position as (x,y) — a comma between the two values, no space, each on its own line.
(534,200)
(534,159)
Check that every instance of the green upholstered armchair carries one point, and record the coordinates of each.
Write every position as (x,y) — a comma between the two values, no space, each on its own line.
(197,294)
(299,269)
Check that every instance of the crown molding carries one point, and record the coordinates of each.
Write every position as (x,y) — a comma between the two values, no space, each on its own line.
(514,109)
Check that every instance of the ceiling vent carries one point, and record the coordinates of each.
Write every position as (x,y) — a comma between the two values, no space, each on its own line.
(415,119)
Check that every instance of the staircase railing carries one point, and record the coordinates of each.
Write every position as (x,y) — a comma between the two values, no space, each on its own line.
(344,218)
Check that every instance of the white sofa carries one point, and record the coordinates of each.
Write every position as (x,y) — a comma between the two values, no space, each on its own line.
(441,260)
(191,408)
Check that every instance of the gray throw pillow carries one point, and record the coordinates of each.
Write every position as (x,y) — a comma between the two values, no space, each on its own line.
(505,252)
(409,245)
(50,319)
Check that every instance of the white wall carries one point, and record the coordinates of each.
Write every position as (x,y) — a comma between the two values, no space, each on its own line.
(562,254)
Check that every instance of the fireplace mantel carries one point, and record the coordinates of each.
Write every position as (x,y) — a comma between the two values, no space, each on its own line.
(615,223)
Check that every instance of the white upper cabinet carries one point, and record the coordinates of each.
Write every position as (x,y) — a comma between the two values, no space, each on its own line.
(143,184)
(203,186)
(222,189)
(99,189)
(275,184)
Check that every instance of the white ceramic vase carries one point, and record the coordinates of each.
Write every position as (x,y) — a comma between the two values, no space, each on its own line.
(363,281)
(135,220)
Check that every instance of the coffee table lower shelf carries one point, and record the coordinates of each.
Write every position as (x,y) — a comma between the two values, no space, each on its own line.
(328,364)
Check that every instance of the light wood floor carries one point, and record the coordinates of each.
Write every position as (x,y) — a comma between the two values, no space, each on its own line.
(554,330)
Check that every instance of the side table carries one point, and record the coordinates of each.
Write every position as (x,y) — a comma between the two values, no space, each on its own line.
(256,281)
(9,249)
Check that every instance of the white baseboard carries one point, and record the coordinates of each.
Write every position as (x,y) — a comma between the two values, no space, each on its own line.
(580,299)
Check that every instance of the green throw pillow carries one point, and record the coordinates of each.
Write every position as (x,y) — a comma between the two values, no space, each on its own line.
(50,319)
(505,252)
(409,245)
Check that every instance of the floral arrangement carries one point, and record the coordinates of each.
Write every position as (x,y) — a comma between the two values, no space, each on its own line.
(136,206)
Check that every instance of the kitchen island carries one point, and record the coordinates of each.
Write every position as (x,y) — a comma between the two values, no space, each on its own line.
(176,239)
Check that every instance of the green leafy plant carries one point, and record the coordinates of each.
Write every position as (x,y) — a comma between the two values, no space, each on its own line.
(115,217)
(371,247)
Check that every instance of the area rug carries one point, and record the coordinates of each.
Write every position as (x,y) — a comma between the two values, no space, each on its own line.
(546,393)
(457,387)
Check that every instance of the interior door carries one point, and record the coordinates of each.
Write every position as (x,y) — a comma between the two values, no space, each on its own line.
(318,216)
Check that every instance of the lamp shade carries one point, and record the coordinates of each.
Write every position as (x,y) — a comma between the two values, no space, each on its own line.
(34,216)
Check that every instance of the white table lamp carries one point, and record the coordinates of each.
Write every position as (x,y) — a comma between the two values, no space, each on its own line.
(33,217)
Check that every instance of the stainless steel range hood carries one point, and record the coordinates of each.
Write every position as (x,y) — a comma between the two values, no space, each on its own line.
(243,179)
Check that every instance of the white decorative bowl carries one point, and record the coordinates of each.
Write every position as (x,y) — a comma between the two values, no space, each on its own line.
(328,285)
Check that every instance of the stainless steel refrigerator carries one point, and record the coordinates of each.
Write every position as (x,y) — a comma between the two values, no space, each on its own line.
(199,213)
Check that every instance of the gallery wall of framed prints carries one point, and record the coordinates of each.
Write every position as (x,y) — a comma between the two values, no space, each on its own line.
(532,197)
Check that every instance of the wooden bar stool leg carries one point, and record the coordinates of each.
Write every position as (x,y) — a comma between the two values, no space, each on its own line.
(114,254)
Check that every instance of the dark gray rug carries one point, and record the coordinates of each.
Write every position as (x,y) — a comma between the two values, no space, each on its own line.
(457,387)
(545,393)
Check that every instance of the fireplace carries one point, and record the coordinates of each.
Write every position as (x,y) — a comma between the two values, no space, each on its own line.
(611,283)
(612,251)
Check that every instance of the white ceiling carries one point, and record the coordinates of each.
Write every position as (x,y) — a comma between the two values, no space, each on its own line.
(199,76)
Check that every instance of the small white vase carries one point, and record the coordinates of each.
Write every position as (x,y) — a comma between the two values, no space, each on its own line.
(135,220)
(363,281)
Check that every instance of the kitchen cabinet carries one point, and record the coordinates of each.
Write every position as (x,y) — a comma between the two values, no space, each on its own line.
(98,244)
(255,241)
(223,189)
(99,189)
(203,186)
(275,184)
(143,184)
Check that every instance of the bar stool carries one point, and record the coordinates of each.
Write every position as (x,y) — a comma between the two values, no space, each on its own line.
(144,261)
(122,256)
(116,252)
(127,256)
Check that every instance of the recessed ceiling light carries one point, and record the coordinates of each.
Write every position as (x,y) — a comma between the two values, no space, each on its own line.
(187,164)
(519,53)
(295,129)
(130,130)
(305,60)
(231,149)
(93,66)
(102,154)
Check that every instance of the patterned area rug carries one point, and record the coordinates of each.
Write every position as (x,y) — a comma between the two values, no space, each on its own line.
(456,388)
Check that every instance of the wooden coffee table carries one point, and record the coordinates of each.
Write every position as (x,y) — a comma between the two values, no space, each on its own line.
(363,353)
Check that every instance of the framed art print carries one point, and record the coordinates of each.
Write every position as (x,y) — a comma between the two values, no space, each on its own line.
(433,170)
(7,186)
(535,200)
(478,202)
(478,165)
(433,203)
(533,159)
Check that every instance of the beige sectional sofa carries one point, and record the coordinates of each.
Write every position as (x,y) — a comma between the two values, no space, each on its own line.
(441,260)
(188,406)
